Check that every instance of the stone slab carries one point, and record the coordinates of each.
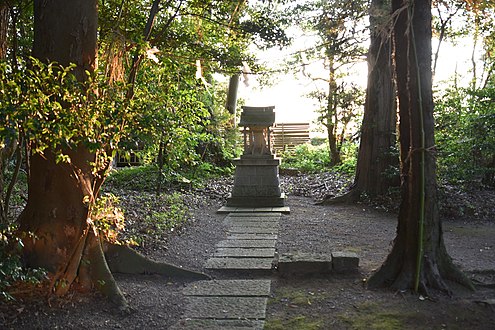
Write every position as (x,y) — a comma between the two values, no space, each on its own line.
(307,264)
(210,324)
(255,224)
(252,230)
(222,288)
(343,262)
(233,210)
(251,236)
(253,217)
(245,252)
(254,213)
(247,197)
(248,221)
(254,264)
(246,243)
(225,307)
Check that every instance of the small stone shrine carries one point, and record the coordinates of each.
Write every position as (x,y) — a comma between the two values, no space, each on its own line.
(256,181)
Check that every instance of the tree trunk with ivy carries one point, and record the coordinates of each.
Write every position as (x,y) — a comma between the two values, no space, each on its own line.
(418,260)
(58,222)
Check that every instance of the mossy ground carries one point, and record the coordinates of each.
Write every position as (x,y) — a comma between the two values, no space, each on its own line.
(345,303)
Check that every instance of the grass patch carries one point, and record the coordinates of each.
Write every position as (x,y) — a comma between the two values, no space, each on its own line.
(372,316)
(299,297)
(138,178)
(297,323)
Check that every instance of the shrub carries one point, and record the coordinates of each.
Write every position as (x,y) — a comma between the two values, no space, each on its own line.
(11,268)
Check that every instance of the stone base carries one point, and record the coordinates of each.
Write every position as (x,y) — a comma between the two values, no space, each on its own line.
(304,264)
(256,182)
(311,264)
(345,262)
(256,201)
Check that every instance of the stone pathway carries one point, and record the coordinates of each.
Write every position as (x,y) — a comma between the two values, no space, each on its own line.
(247,251)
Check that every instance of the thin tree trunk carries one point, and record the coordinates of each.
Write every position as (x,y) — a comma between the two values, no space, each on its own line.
(331,120)
(4,27)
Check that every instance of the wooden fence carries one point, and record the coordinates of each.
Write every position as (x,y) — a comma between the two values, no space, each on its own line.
(287,136)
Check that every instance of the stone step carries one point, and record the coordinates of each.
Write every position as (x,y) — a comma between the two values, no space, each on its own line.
(247,243)
(252,230)
(245,252)
(225,307)
(219,288)
(232,210)
(258,265)
(255,214)
(209,324)
(249,222)
(251,236)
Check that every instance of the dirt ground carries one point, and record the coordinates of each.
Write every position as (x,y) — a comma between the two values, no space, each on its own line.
(334,302)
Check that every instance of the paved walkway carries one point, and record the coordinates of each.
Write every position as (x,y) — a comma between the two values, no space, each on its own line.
(248,251)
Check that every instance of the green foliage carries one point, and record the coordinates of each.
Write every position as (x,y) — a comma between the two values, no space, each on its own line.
(315,158)
(465,134)
(307,158)
(11,268)
(348,152)
(107,217)
(144,178)
(175,215)
(138,178)
(51,109)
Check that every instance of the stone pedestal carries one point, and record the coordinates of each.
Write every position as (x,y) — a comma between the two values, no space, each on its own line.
(256,183)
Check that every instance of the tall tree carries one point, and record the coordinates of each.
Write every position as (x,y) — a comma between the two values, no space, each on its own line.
(65,177)
(418,259)
(377,163)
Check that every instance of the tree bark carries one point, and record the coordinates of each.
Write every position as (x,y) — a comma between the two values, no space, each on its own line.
(418,262)
(376,161)
(4,27)
(378,130)
(331,115)
(59,235)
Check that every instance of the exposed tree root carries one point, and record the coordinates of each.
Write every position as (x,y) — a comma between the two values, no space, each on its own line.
(122,259)
(352,196)
(398,275)
(101,275)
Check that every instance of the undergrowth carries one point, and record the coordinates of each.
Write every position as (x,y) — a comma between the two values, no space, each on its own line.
(12,270)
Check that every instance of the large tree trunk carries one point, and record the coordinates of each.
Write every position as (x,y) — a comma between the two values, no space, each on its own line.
(64,31)
(418,259)
(378,130)
(60,195)
(376,162)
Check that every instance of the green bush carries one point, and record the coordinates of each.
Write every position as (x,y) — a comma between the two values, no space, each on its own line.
(173,217)
(465,135)
(138,178)
(11,268)
(307,158)
(315,158)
